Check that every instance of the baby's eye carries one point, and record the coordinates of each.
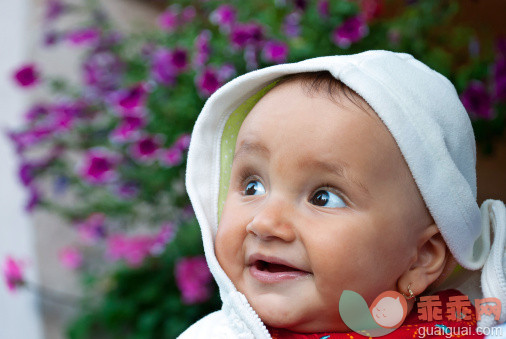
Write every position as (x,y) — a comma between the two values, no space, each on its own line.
(325,198)
(254,187)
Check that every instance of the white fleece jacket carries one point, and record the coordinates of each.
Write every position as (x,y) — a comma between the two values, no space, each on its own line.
(422,111)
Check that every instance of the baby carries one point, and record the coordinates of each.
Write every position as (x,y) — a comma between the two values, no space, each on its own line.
(337,173)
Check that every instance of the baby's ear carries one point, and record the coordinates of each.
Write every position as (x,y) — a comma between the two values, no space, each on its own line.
(429,263)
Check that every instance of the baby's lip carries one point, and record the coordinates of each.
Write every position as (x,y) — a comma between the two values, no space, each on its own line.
(255,257)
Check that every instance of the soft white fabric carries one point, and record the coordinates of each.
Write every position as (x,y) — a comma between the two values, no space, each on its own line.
(422,111)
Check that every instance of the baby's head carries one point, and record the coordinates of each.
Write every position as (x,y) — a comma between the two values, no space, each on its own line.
(321,200)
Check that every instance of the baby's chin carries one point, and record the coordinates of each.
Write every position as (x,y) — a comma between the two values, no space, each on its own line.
(278,313)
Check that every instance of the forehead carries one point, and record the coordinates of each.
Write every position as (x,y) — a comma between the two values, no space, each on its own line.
(288,122)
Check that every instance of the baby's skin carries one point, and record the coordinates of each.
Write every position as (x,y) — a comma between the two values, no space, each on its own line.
(321,201)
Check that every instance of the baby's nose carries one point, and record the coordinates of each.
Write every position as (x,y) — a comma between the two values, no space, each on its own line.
(274,220)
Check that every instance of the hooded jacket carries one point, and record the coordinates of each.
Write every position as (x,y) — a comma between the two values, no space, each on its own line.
(422,111)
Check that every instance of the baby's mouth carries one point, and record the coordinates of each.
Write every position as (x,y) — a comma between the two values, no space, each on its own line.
(262,265)
(270,270)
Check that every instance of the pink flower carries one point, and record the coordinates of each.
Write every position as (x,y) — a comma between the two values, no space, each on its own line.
(208,82)
(224,16)
(477,101)
(70,257)
(351,31)
(26,76)
(146,149)
(91,229)
(98,166)
(83,36)
(129,127)
(171,157)
(13,273)
(131,249)
(130,99)
(275,51)
(183,142)
(193,279)
(168,20)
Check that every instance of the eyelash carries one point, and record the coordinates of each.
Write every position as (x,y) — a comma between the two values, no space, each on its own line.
(247,174)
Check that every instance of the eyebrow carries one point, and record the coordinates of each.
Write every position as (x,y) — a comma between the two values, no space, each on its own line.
(340,168)
(249,147)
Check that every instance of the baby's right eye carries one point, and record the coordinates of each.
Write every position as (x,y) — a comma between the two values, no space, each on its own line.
(254,187)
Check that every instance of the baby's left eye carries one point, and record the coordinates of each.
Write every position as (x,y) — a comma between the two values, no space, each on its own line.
(325,198)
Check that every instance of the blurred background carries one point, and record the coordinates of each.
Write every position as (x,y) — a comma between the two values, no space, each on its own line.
(98,238)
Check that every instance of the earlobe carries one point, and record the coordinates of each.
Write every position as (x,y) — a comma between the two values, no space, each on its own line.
(428,264)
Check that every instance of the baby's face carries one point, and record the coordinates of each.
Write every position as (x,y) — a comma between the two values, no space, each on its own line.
(320,201)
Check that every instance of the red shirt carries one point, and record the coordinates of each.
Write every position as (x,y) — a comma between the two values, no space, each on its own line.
(409,329)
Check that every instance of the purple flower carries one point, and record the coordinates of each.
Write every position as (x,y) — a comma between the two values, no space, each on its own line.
(83,36)
(130,99)
(129,127)
(171,157)
(226,72)
(179,59)
(54,8)
(146,149)
(33,199)
(26,76)
(164,236)
(36,112)
(98,166)
(26,173)
(477,101)
(25,139)
(291,25)
(13,273)
(51,38)
(243,35)
(188,14)
(183,142)
(250,56)
(300,5)
(351,31)
(275,52)
(207,81)
(168,20)
(224,16)
(127,190)
(323,8)
(92,229)
(499,77)
(102,71)
(193,279)
(70,257)
(202,48)
(163,68)
(64,114)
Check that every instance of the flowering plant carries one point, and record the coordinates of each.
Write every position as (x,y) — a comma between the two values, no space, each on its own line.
(115,145)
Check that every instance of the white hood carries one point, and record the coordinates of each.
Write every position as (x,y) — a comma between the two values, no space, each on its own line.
(421,109)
